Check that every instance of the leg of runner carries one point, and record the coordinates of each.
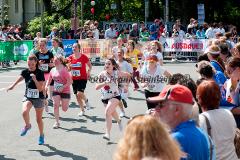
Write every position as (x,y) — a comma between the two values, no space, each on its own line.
(86,103)
(110,108)
(25,113)
(80,100)
(56,104)
(39,112)
(65,104)
(119,121)
(122,112)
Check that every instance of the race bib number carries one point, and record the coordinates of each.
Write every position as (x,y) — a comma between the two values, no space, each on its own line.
(76,73)
(32,93)
(44,67)
(57,86)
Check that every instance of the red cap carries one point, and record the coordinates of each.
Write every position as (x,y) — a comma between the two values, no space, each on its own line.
(176,93)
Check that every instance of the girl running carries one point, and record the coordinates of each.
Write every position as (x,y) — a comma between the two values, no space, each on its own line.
(78,63)
(132,54)
(34,80)
(108,83)
(61,92)
(123,86)
(45,58)
(56,50)
(152,78)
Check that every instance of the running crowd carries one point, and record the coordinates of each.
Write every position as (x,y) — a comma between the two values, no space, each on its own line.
(196,120)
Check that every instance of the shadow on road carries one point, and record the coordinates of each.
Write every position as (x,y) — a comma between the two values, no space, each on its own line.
(55,152)
(95,118)
(2,157)
(67,119)
(82,129)
(136,99)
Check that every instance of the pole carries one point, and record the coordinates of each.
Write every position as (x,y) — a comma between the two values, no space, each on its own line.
(146,10)
(75,16)
(167,11)
(82,13)
(41,18)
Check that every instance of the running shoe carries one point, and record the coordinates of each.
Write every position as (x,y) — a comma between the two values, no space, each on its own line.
(41,140)
(120,125)
(50,102)
(81,113)
(122,114)
(124,103)
(106,136)
(24,130)
(88,106)
(56,125)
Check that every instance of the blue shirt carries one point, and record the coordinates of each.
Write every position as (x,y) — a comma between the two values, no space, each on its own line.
(193,140)
(153,28)
(217,66)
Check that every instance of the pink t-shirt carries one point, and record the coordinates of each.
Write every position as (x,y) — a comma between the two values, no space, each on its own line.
(60,79)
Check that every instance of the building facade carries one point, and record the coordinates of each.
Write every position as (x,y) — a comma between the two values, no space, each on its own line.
(19,11)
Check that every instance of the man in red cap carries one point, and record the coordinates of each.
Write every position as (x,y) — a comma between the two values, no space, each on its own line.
(174,107)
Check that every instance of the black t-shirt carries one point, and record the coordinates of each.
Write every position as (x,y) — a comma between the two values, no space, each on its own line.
(31,89)
(46,57)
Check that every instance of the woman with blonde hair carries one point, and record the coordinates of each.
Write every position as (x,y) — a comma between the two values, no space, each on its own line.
(213,53)
(145,136)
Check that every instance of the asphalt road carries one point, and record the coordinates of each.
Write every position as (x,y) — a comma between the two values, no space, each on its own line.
(79,138)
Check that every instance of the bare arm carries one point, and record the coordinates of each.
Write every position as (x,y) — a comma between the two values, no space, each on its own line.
(20,78)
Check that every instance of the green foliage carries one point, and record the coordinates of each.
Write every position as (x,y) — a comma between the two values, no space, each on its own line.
(34,25)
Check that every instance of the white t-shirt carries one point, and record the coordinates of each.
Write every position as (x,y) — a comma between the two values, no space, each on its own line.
(96,33)
(223,128)
(125,66)
(112,89)
(115,51)
(209,33)
(222,30)
(155,81)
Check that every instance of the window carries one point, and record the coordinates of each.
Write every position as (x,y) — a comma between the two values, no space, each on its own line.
(16,6)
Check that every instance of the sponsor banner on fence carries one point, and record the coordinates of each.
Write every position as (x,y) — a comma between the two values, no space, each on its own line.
(96,48)
(16,50)
(183,45)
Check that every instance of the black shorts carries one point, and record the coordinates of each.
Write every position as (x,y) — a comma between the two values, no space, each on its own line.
(62,95)
(79,85)
(105,101)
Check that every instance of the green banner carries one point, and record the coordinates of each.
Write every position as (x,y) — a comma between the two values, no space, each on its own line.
(15,50)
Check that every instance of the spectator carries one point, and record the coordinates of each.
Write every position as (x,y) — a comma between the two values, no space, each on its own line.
(224,52)
(145,137)
(95,30)
(221,122)
(62,32)
(221,29)
(215,29)
(236,50)
(37,38)
(154,29)
(54,33)
(200,33)
(111,33)
(174,106)
(4,35)
(190,33)
(213,53)
(142,26)
(209,32)
(144,35)
(122,35)
(134,34)
(191,25)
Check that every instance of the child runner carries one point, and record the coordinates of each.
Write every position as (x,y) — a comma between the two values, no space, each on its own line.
(61,92)
(34,80)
